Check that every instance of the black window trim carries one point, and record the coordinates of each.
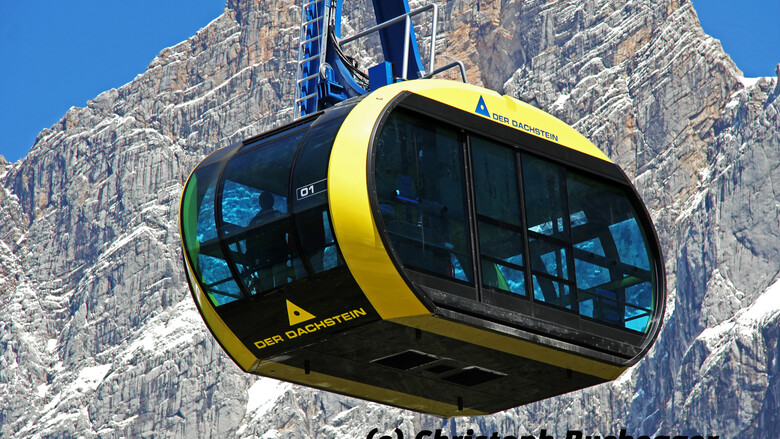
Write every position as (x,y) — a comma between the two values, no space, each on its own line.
(470,124)
(306,124)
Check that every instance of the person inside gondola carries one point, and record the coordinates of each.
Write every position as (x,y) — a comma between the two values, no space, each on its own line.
(267,210)
(268,245)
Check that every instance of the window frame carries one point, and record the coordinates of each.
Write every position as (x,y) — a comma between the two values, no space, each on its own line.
(251,146)
(220,161)
(526,313)
(467,207)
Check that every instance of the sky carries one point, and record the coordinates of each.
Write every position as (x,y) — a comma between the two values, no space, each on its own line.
(59,54)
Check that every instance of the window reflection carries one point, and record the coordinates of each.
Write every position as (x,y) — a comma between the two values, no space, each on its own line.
(256,226)
(420,189)
(199,231)
(497,198)
(217,280)
(310,202)
(317,241)
(550,268)
(545,198)
(611,255)
(552,292)
(255,247)
(545,233)
(549,237)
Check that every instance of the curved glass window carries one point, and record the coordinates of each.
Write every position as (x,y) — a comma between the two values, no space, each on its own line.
(257,220)
(420,190)
(534,231)
(255,225)
(499,220)
(614,280)
(199,232)
(310,202)
(549,239)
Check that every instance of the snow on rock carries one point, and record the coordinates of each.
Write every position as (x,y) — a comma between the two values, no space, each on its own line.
(90,378)
(747,321)
(263,395)
(99,336)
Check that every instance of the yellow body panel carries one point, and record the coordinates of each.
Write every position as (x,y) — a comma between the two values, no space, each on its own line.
(353,223)
(513,113)
(350,207)
(362,246)
(369,262)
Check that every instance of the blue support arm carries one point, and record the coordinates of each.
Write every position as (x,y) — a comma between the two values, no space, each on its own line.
(327,76)
(392,38)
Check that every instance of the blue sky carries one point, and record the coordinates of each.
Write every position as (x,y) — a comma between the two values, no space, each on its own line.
(58,54)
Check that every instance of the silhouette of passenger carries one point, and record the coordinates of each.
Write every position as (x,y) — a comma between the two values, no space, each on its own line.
(267,211)
(267,244)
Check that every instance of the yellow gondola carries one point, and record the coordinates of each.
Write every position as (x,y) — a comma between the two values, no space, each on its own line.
(431,245)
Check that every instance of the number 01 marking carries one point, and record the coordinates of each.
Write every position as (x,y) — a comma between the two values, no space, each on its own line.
(311,189)
(306,191)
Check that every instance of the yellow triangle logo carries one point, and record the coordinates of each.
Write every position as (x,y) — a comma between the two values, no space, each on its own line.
(296,314)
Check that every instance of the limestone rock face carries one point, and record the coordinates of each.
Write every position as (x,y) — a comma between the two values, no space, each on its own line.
(99,336)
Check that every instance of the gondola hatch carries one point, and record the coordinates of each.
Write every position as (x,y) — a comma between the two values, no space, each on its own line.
(430,245)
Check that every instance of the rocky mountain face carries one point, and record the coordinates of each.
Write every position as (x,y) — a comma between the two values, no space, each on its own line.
(99,336)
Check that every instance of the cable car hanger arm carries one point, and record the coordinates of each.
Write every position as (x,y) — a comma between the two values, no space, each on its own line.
(326,75)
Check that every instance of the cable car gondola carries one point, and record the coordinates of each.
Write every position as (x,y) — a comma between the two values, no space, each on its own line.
(431,245)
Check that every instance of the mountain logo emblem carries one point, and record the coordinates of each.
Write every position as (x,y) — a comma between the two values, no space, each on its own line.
(296,314)
(482,108)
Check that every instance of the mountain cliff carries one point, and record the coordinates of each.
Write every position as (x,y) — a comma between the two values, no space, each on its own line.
(99,336)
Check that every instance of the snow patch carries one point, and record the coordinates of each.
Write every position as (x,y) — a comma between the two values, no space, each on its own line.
(765,308)
(750,82)
(165,333)
(90,377)
(62,418)
(263,395)
(733,102)
(561,100)
(125,422)
(670,305)
(42,390)
(126,239)
(692,204)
